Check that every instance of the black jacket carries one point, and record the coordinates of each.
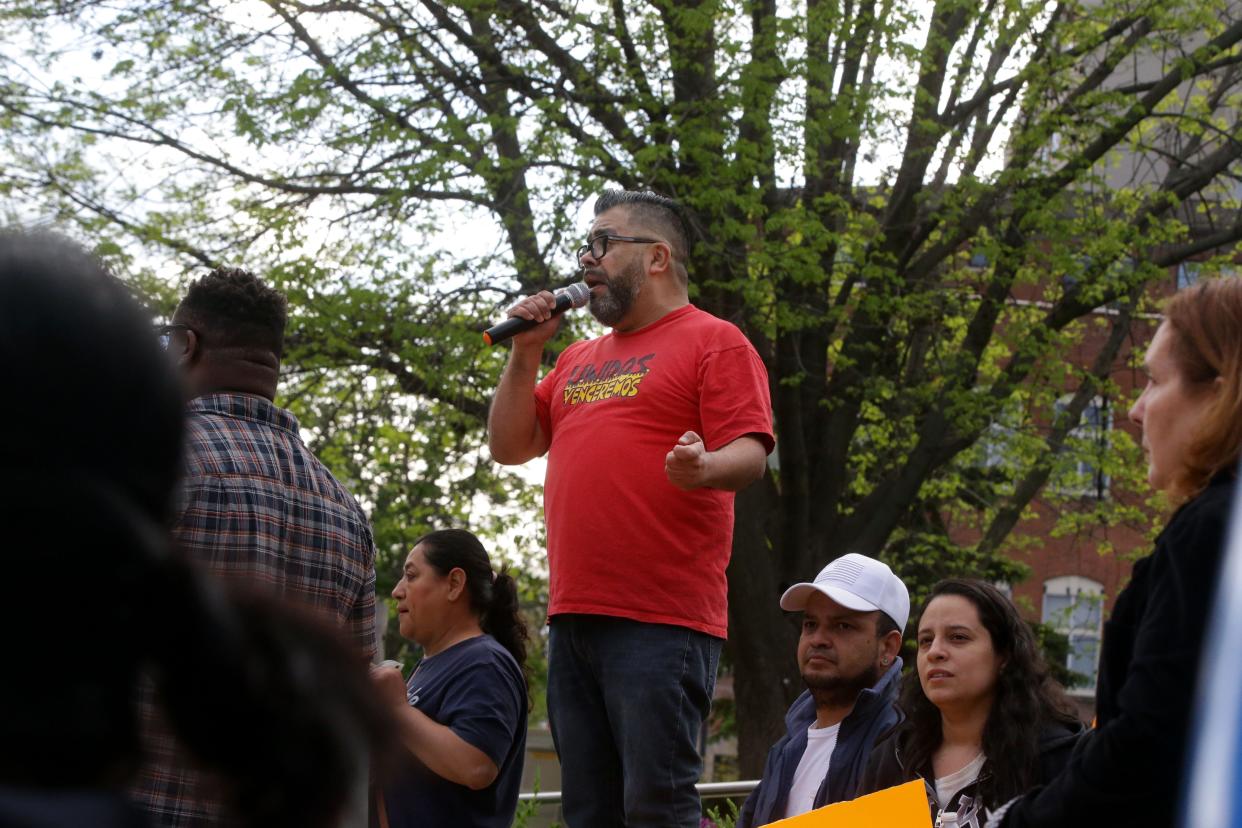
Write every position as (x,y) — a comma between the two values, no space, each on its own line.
(67,808)
(874,712)
(888,767)
(1128,770)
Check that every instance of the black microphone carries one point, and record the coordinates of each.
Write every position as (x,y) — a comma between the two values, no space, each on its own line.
(572,296)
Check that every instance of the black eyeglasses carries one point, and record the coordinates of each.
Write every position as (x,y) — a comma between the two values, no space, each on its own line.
(598,246)
(164,333)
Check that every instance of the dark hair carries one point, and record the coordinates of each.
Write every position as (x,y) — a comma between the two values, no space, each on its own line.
(492,595)
(233,308)
(1206,322)
(885,625)
(272,702)
(93,394)
(1026,698)
(653,210)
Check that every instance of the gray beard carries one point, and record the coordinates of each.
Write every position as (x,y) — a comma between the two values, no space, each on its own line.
(616,301)
(841,691)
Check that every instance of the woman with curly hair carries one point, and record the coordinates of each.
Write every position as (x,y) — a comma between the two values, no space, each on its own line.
(984,720)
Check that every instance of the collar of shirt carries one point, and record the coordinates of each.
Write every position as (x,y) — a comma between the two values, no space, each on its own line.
(245,407)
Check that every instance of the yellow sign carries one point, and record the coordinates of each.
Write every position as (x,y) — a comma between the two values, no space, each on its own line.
(904,806)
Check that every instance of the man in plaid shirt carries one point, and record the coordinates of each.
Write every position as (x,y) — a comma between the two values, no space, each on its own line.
(256,507)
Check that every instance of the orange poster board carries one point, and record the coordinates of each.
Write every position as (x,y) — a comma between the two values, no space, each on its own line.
(904,806)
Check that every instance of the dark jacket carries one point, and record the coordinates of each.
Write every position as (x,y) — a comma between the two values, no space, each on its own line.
(67,808)
(888,766)
(874,712)
(1128,770)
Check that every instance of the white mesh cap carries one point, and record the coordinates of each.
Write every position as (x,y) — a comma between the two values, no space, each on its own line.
(856,582)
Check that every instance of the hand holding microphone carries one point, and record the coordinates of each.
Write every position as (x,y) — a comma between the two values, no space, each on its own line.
(535,310)
(388,683)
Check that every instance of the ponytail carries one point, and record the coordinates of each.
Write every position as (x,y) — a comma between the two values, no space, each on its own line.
(502,619)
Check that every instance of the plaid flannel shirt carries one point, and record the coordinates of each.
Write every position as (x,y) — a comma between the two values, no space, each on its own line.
(256,507)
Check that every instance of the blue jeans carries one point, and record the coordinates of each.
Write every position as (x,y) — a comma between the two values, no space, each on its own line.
(627,701)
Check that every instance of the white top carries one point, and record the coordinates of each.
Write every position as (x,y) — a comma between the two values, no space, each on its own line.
(812,769)
(947,786)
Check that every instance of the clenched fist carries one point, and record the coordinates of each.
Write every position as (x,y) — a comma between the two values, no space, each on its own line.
(687,464)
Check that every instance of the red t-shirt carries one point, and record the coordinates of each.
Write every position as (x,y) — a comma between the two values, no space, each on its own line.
(623,540)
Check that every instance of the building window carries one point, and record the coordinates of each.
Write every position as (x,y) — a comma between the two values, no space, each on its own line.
(998,444)
(1088,440)
(995,446)
(1073,606)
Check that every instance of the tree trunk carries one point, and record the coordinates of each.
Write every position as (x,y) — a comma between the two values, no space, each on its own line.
(762,637)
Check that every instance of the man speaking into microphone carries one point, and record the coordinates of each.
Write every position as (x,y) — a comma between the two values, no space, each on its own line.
(649,431)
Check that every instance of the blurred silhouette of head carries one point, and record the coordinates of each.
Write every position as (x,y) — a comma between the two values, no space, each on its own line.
(92,395)
(93,595)
(92,435)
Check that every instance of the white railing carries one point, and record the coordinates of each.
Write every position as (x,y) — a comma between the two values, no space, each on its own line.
(707,790)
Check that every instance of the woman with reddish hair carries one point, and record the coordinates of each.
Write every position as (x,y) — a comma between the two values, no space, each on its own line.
(1128,770)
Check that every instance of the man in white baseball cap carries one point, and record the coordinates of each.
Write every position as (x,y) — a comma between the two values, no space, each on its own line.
(853,616)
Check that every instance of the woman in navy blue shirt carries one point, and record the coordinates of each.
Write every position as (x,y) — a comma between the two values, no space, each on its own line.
(462,714)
